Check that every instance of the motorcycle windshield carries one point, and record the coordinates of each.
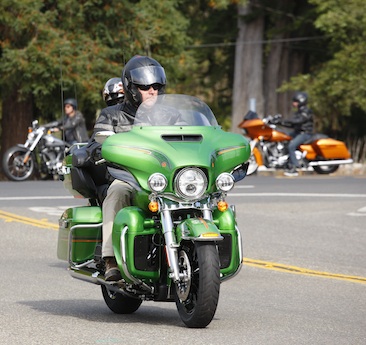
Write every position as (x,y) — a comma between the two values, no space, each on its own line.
(174,110)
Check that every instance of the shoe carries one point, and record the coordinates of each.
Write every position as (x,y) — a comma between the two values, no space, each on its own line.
(112,272)
(291,172)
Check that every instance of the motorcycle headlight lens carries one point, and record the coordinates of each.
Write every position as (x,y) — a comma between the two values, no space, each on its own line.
(30,136)
(225,182)
(190,183)
(157,182)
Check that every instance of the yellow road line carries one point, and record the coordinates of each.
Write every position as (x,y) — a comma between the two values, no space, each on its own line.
(11,217)
(300,270)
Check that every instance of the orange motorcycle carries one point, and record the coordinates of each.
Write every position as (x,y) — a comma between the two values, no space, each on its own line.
(269,144)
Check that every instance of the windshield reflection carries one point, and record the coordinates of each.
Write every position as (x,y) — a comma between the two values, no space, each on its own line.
(174,110)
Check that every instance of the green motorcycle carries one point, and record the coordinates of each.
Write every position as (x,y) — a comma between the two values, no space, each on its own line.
(180,239)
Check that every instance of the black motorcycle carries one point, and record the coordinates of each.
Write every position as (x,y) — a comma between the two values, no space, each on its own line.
(42,154)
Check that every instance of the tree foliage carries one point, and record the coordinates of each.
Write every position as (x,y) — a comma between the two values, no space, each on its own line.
(53,49)
(338,85)
(73,46)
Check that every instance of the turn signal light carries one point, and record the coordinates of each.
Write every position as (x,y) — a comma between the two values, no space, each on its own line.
(222,206)
(153,206)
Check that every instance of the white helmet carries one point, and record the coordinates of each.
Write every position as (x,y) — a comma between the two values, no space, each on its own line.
(113,91)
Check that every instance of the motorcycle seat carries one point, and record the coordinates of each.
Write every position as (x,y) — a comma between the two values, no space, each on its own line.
(315,137)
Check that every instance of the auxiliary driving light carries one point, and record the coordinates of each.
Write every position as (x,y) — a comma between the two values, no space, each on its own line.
(225,182)
(157,182)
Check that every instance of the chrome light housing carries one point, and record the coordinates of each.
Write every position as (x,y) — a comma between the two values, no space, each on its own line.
(225,182)
(157,182)
(190,183)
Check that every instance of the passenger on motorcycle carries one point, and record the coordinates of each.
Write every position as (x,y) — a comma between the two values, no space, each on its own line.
(142,78)
(302,124)
(113,91)
(73,124)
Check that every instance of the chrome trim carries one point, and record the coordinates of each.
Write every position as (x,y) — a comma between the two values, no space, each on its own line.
(77,226)
(170,242)
(84,264)
(93,277)
(124,263)
(207,211)
(332,162)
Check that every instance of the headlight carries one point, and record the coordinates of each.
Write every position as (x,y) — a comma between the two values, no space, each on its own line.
(157,182)
(225,182)
(190,183)
(30,135)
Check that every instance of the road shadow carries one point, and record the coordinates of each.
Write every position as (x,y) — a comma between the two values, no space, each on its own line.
(97,311)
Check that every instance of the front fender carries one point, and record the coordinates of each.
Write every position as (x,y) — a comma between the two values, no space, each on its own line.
(198,229)
(257,155)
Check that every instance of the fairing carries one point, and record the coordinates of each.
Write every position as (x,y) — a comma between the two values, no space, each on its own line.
(174,132)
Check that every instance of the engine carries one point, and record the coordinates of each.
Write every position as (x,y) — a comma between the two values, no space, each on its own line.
(277,154)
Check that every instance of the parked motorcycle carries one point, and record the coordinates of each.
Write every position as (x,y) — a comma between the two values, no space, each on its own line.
(179,240)
(42,153)
(269,144)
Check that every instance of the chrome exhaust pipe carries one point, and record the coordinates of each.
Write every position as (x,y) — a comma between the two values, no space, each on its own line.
(95,277)
(333,162)
(92,276)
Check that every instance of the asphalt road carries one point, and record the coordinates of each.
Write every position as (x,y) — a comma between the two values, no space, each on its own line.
(303,281)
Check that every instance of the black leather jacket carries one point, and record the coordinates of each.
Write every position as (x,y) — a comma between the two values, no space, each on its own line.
(301,121)
(116,118)
(74,128)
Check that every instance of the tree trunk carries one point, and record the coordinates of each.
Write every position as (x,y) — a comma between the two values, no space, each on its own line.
(17,116)
(271,78)
(248,82)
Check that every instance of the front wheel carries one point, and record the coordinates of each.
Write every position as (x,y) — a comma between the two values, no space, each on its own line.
(197,294)
(118,303)
(15,167)
(325,169)
(253,165)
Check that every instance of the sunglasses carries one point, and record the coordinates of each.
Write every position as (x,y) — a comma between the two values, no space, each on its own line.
(147,87)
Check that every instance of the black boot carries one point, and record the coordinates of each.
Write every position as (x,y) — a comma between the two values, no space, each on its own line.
(112,272)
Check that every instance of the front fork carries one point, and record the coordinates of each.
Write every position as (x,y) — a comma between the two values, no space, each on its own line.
(171,244)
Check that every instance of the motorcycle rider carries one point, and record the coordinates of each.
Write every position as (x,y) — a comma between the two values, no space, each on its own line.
(142,78)
(113,91)
(74,123)
(302,124)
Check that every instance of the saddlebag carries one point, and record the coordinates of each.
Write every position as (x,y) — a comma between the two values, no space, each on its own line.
(80,231)
(331,149)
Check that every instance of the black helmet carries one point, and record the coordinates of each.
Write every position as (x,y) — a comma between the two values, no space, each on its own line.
(72,102)
(141,70)
(300,97)
(113,91)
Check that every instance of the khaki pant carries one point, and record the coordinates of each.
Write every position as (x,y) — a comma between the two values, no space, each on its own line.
(118,196)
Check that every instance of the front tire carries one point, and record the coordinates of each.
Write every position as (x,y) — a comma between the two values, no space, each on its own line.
(14,167)
(118,303)
(197,295)
(253,165)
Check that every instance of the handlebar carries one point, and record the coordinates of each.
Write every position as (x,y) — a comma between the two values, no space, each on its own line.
(275,119)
